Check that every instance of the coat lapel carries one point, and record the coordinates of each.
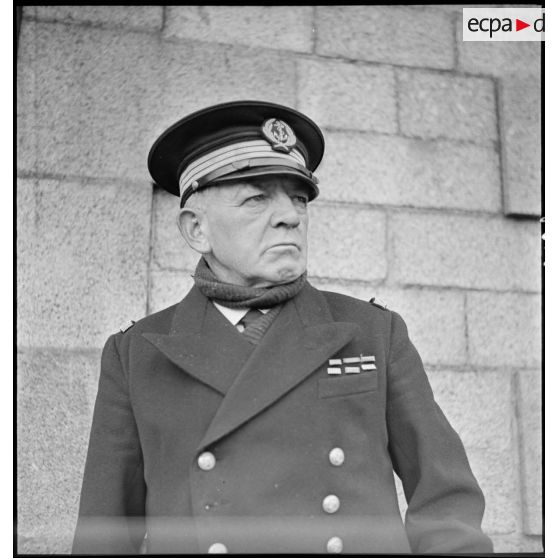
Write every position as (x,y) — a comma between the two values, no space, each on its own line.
(203,343)
(301,338)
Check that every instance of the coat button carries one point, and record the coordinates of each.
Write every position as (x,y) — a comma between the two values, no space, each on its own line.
(335,545)
(217,548)
(206,461)
(337,457)
(331,503)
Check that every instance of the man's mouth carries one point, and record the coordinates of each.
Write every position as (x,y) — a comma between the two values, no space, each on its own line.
(286,245)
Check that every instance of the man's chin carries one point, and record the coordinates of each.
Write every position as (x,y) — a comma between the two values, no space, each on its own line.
(280,276)
(287,274)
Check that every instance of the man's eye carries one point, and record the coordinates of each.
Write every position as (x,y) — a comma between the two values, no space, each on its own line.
(301,200)
(255,199)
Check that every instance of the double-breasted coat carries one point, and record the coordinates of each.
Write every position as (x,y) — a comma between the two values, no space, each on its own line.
(293,459)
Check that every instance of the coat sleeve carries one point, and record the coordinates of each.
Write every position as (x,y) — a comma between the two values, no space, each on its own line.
(112,505)
(445,502)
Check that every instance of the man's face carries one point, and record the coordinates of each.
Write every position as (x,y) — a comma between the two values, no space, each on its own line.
(257,231)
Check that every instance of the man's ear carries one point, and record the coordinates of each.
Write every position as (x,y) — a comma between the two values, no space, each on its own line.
(190,223)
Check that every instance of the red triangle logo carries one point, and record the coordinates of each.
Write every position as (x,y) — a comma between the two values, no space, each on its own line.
(519,24)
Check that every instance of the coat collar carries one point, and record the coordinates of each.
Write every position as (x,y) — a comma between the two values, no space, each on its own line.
(300,339)
(203,343)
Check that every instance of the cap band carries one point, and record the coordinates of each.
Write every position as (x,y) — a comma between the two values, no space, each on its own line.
(235,157)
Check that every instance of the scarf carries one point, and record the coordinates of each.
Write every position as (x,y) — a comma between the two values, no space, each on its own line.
(237,296)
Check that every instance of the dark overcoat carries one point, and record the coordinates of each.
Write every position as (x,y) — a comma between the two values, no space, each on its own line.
(184,381)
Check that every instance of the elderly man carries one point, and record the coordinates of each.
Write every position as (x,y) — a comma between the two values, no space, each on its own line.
(260,414)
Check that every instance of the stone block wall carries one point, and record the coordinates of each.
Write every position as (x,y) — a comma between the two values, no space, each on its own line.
(430,200)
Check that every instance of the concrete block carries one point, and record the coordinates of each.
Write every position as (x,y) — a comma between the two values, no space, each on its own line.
(436,105)
(399,171)
(169,250)
(435,319)
(83,250)
(458,8)
(496,473)
(55,397)
(274,27)
(196,75)
(132,17)
(168,288)
(94,96)
(531,438)
(499,496)
(343,95)
(479,406)
(451,8)
(346,243)
(498,58)
(504,329)
(25,94)
(102,97)
(388,34)
(521,145)
(516,543)
(463,251)
(25,222)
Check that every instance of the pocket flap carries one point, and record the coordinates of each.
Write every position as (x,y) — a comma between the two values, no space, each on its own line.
(348,385)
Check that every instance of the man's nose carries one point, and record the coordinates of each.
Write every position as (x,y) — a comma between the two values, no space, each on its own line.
(285,211)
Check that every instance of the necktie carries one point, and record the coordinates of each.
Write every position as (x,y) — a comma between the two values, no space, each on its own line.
(256,323)
(250,317)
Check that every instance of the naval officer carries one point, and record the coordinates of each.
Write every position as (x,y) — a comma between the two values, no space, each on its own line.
(260,414)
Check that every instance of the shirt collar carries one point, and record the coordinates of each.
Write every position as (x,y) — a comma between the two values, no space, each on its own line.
(234,315)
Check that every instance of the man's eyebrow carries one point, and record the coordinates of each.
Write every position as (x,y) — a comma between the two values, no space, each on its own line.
(244,189)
